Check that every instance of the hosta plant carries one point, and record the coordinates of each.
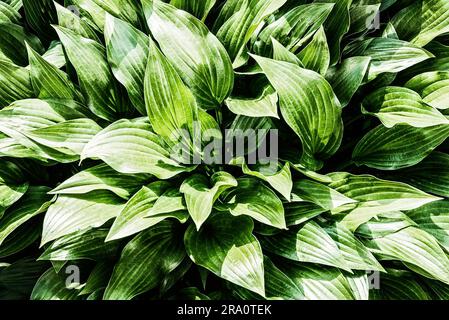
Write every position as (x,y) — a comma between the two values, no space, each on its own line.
(212,149)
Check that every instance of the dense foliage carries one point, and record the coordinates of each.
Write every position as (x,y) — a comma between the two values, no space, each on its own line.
(94,205)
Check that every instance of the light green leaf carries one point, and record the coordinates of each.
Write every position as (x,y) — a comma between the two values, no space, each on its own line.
(195,53)
(199,8)
(239,20)
(278,285)
(325,197)
(316,56)
(315,119)
(72,213)
(399,147)
(397,105)
(34,202)
(170,104)
(433,88)
(102,177)
(232,253)
(263,106)
(95,76)
(137,214)
(254,199)
(310,243)
(48,81)
(374,196)
(356,256)
(423,21)
(336,26)
(68,137)
(293,28)
(347,77)
(145,151)
(434,219)
(281,53)
(430,175)
(414,246)
(387,55)
(280,180)
(145,260)
(70,20)
(15,83)
(200,193)
(82,245)
(318,282)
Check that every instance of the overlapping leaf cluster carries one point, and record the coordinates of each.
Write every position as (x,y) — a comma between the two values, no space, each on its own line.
(92,90)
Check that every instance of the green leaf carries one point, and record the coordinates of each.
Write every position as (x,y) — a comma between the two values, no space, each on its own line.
(264,105)
(319,283)
(414,246)
(40,14)
(88,244)
(48,81)
(310,243)
(387,55)
(70,20)
(374,196)
(127,52)
(8,14)
(200,194)
(195,53)
(347,77)
(254,199)
(430,175)
(281,53)
(52,286)
(102,177)
(12,184)
(137,215)
(12,43)
(68,137)
(423,21)
(95,76)
(278,285)
(170,104)
(433,87)
(316,120)
(281,181)
(145,260)
(399,147)
(146,152)
(232,253)
(127,10)
(170,201)
(400,285)
(325,197)
(316,56)
(15,83)
(385,224)
(199,8)
(434,219)
(355,254)
(72,213)
(299,212)
(294,28)
(336,26)
(98,278)
(239,20)
(397,105)
(34,202)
